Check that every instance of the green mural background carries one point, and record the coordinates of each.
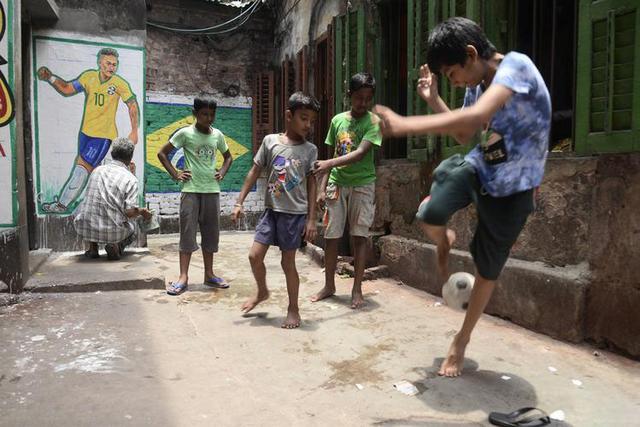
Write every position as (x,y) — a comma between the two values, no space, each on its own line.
(164,119)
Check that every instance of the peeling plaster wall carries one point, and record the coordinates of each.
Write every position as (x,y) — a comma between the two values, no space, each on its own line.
(587,213)
(301,22)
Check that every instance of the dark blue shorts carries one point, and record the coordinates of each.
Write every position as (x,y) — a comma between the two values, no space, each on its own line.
(500,219)
(93,150)
(280,229)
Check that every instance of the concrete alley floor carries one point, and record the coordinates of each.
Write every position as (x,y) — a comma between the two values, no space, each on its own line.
(141,357)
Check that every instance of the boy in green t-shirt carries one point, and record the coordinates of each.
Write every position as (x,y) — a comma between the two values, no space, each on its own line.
(348,191)
(200,200)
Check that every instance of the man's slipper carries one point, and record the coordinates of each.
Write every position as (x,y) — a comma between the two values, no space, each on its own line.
(113,251)
(91,255)
(216,282)
(176,288)
(523,417)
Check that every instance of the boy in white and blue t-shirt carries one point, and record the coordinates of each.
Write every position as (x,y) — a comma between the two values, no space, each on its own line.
(508,103)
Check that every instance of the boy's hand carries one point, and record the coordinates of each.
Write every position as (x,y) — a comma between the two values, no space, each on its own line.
(391,123)
(320,199)
(427,84)
(219,176)
(320,167)
(310,231)
(44,73)
(236,213)
(183,176)
(132,167)
(146,214)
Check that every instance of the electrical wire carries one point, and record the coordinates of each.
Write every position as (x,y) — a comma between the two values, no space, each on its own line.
(244,15)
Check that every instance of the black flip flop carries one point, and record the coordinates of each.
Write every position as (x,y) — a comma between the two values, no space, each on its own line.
(523,417)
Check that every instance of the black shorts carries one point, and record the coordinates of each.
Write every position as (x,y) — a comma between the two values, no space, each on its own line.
(500,219)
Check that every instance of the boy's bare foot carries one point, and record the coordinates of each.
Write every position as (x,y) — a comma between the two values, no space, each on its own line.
(443,254)
(252,302)
(325,292)
(357,300)
(293,319)
(452,364)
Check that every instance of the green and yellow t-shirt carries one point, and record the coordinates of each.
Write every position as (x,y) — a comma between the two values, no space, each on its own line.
(200,157)
(345,134)
(101,104)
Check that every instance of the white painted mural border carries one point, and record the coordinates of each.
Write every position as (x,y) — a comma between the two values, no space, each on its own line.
(67,37)
(13,181)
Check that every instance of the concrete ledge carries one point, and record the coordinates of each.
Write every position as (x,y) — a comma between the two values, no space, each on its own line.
(544,299)
(316,253)
(345,263)
(37,286)
(37,258)
(72,272)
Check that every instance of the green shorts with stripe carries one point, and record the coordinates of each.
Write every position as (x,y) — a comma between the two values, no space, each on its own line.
(500,219)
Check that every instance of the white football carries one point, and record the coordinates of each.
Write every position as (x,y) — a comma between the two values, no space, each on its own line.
(457,290)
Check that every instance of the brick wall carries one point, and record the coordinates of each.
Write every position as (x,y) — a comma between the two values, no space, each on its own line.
(218,65)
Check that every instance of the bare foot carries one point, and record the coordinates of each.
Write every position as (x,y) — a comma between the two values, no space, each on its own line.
(293,319)
(252,302)
(452,364)
(357,300)
(326,292)
(443,254)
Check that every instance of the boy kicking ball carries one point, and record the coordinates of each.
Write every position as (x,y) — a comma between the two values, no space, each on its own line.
(508,103)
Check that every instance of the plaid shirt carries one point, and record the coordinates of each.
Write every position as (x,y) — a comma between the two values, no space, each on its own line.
(101,217)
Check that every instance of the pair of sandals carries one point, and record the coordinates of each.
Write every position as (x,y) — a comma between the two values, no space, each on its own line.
(176,288)
(523,417)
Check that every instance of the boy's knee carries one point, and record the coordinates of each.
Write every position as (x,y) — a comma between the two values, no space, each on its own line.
(430,214)
(288,264)
(254,258)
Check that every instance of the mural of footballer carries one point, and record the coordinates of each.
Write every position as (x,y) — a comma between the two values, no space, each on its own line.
(102,88)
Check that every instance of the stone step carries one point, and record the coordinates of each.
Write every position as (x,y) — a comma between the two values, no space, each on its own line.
(37,258)
(72,272)
(551,300)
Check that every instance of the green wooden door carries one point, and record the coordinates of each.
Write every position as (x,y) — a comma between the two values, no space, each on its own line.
(419,22)
(608,95)
(453,96)
(349,43)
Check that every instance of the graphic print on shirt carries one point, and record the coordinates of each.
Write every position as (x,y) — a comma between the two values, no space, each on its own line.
(283,176)
(345,143)
(206,154)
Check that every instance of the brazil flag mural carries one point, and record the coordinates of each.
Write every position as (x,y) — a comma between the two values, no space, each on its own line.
(164,119)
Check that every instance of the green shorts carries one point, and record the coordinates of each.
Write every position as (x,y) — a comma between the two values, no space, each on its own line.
(500,219)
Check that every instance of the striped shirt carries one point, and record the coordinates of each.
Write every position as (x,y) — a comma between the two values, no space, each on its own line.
(101,217)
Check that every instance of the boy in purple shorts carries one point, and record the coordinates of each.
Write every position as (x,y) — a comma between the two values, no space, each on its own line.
(290,212)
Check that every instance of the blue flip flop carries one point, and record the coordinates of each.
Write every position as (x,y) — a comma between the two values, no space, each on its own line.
(216,282)
(176,288)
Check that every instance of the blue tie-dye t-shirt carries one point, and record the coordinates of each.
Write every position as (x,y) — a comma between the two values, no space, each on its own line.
(523,122)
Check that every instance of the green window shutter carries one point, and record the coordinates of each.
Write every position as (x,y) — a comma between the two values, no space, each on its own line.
(349,42)
(418,25)
(339,63)
(354,43)
(608,95)
(454,97)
